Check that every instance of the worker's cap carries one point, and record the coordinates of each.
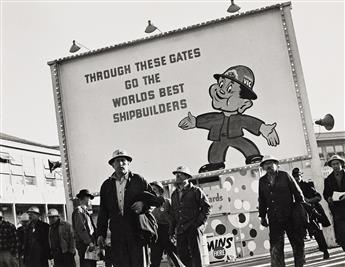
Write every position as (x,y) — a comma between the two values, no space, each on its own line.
(158,184)
(24,217)
(120,153)
(296,171)
(53,213)
(84,193)
(183,169)
(335,157)
(34,209)
(243,76)
(267,159)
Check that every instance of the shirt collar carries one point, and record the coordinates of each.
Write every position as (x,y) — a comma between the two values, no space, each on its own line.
(126,176)
(186,187)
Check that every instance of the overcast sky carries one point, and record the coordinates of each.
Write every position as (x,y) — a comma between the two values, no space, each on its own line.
(35,32)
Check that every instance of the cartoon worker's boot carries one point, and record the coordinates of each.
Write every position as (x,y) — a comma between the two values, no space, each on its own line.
(253,159)
(212,167)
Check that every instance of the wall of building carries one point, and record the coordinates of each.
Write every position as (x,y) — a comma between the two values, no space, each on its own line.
(25,179)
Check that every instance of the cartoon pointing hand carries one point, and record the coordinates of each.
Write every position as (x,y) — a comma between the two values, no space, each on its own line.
(188,122)
(268,131)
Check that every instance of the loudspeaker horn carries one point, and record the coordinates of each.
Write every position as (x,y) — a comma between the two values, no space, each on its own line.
(327,121)
(53,165)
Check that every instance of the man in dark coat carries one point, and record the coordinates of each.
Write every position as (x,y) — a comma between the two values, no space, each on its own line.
(84,228)
(36,252)
(118,203)
(22,235)
(61,240)
(277,189)
(8,243)
(191,209)
(164,218)
(335,184)
(312,197)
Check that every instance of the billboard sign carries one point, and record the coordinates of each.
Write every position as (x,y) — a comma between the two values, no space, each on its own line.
(215,92)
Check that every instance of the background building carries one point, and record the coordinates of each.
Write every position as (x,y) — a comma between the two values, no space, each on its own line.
(329,144)
(26,180)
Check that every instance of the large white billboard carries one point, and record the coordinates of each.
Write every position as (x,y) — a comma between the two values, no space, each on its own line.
(223,91)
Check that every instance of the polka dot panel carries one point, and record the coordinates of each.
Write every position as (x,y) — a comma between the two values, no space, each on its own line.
(242,221)
(243,192)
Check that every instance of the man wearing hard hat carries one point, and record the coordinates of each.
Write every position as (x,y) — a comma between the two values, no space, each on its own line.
(36,252)
(21,233)
(334,194)
(61,240)
(164,218)
(277,192)
(119,205)
(191,209)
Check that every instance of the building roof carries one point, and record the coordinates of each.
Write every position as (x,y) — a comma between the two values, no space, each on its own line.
(327,136)
(12,138)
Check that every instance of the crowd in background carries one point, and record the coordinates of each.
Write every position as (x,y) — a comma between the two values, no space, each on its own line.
(136,224)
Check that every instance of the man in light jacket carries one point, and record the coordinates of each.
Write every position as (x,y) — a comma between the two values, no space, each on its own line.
(61,240)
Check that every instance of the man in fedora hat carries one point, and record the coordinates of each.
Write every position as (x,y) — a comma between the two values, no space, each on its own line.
(36,249)
(232,94)
(61,240)
(191,209)
(277,191)
(118,204)
(335,182)
(84,228)
(312,197)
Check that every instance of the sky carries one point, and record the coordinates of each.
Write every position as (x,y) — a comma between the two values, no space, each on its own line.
(35,32)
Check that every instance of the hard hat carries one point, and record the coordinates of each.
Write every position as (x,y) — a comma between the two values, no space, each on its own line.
(118,153)
(183,169)
(53,213)
(268,158)
(34,209)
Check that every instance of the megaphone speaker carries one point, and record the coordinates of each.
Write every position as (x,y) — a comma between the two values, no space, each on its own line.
(327,121)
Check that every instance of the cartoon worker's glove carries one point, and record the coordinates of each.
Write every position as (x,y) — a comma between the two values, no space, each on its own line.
(268,131)
(188,122)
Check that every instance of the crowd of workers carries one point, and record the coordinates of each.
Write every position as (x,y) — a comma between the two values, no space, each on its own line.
(136,224)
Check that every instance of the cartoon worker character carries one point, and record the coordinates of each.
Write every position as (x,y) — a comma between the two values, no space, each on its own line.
(232,95)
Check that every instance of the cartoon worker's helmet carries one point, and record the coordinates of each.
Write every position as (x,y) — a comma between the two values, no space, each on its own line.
(242,75)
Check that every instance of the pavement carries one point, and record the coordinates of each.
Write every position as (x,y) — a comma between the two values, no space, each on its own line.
(314,258)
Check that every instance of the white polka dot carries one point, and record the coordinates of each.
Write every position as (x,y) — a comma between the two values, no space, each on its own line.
(237,238)
(251,245)
(255,186)
(242,236)
(246,205)
(227,185)
(238,204)
(239,250)
(236,190)
(214,223)
(250,226)
(267,244)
